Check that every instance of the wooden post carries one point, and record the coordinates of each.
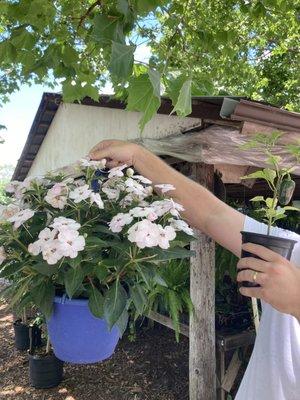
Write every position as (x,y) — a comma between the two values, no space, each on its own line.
(202,360)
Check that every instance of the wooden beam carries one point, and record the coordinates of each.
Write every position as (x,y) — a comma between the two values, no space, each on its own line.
(232,372)
(217,145)
(166,321)
(202,362)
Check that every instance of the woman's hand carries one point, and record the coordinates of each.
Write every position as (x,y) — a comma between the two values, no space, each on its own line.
(279,279)
(116,152)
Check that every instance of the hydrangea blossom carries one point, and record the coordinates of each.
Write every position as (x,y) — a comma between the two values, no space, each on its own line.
(180,225)
(62,222)
(2,255)
(20,217)
(166,235)
(63,240)
(165,206)
(96,198)
(80,193)
(144,212)
(88,163)
(165,187)
(148,234)
(119,221)
(57,196)
(117,171)
(8,211)
(142,179)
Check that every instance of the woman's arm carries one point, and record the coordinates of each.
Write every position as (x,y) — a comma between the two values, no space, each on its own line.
(202,209)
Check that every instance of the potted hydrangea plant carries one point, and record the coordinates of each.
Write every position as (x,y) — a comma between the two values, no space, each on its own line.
(84,251)
(281,185)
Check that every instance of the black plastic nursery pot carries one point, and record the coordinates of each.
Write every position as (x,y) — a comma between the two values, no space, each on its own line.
(22,340)
(282,246)
(45,371)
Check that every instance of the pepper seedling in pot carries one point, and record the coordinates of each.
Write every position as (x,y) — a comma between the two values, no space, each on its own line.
(282,186)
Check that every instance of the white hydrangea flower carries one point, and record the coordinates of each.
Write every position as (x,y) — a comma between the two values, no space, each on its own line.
(60,223)
(119,221)
(165,236)
(2,255)
(144,212)
(62,241)
(162,207)
(52,252)
(144,233)
(57,195)
(80,193)
(71,242)
(12,186)
(165,187)
(88,163)
(8,211)
(96,198)
(136,188)
(142,179)
(117,171)
(180,225)
(35,248)
(112,194)
(20,217)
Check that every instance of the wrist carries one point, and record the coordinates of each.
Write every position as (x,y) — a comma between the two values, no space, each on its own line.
(139,155)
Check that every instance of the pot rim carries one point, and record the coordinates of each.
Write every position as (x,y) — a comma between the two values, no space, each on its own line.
(64,299)
(262,235)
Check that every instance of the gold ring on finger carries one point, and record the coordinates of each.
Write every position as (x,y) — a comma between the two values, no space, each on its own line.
(255,276)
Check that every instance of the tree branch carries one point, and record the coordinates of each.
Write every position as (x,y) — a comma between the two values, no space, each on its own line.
(87,13)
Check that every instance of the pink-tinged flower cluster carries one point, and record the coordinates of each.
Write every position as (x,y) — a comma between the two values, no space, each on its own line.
(119,221)
(63,240)
(80,193)
(148,234)
(166,206)
(2,255)
(57,196)
(8,211)
(21,217)
(18,189)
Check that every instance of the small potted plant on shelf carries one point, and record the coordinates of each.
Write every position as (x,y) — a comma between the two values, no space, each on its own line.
(84,250)
(281,185)
(45,369)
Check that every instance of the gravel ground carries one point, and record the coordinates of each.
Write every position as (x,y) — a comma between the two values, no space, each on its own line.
(154,367)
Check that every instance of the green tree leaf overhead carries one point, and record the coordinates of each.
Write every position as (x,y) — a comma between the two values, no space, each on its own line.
(143,96)
(232,47)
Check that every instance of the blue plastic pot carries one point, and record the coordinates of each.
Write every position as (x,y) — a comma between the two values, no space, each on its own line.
(77,336)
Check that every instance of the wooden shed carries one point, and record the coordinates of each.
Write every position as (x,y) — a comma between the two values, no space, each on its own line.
(200,145)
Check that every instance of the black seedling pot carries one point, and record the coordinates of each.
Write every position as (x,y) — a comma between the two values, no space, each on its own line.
(282,246)
(45,371)
(22,341)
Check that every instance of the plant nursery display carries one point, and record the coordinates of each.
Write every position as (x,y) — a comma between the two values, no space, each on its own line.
(281,185)
(88,251)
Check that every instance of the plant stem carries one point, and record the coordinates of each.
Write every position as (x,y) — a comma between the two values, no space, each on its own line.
(48,345)
(21,245)
(24,316)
